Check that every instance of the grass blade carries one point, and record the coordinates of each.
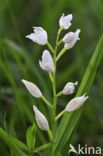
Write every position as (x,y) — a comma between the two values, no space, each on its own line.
(11,143)
(69,121)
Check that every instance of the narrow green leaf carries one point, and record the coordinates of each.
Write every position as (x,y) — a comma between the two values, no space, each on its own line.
(31,136)
(12,129)
(5,125)
(19,144)
(69,121)
(43,147)
(11,143)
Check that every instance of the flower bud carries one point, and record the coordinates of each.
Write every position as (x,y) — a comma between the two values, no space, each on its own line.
(39,36)
(76,103)
(65,21)
(47,62)
(41,120)
(69,88)
(70,39)
(32,88)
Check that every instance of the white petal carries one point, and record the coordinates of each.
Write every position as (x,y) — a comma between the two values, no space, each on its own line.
(31,36)
(47,62)
(76,103)
(71,38)
(32,88)
(65,21)
(39,36)
(68,37)
(40,119)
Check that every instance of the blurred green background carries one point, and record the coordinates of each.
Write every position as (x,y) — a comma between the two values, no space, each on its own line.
(19,60)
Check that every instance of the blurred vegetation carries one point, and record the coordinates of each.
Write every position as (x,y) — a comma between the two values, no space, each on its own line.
(19,59)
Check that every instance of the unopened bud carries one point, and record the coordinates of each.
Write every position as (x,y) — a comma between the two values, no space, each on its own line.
(32,88)
(70,88)
(76,103)
(41,120)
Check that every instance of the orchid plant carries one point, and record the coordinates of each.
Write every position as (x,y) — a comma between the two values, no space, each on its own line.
(48,63)
(57,133)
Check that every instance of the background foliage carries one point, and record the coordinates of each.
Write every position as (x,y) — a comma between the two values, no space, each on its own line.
(19,59)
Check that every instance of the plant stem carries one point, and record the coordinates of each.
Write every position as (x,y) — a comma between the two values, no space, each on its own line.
(61,53)
(54,89)
(60,114)
(60,93)
(60,42)
(50,47)
(51,77)
(50,135)
(58,34)
(46,102)
(54,83)
(55,97)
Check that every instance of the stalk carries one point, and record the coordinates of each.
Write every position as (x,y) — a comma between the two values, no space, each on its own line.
(61,53)
(55,97)
(46,102)
(60,114)
(60,93)
(54,87)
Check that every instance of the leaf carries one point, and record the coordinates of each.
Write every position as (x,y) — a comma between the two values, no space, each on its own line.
(12,129)
(20,144)
(43,147)
(11,143)
(30,136)
(69,121)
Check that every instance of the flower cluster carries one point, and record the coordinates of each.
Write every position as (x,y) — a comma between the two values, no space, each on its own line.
(48,63)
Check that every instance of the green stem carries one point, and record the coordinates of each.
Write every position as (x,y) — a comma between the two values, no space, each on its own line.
(61,53)
(50,47)
(51,77)
(58,34)
(54,88)
(54,83)
(60,93)
(60,42)
(60,114)
(55,97)
(50,135)
(46,102)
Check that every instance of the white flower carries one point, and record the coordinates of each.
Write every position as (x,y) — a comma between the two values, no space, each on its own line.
(47,62)
(76,103)
(41,120)
(65,21)
(32,88)
(69,88)
(71,38)
(39,36)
